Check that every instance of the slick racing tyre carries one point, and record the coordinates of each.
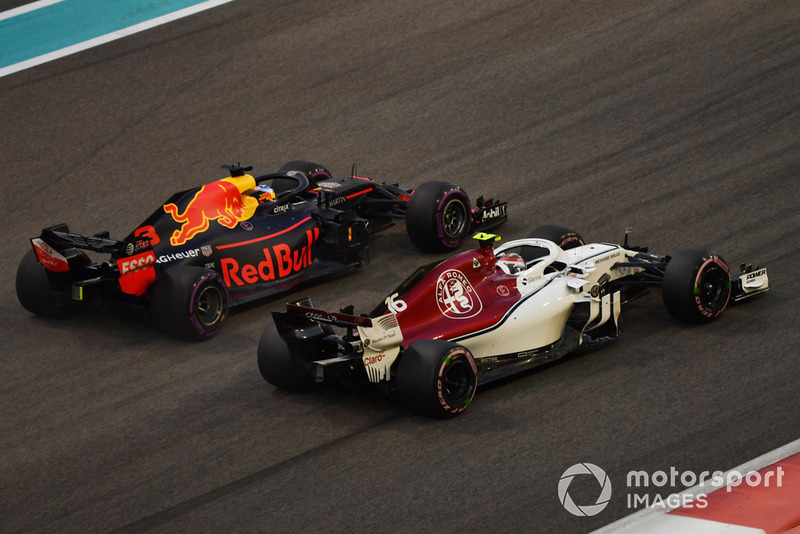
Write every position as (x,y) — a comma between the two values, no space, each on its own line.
(697,286)
(277,364)
(189,303)
(314,171)
(36,291)
(437,378)
(438,217)
(561,236)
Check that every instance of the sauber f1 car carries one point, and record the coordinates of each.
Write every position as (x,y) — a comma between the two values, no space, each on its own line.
(241,238)
(491,312)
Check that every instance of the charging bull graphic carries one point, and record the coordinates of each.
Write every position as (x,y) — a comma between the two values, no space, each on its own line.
(222,201)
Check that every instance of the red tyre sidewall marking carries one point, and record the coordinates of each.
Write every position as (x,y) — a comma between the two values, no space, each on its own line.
(721,265)
(440,387)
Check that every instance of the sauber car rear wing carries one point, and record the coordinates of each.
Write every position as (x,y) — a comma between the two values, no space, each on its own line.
(379,344)
(334,318)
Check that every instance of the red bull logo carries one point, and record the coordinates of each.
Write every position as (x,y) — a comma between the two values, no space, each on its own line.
(221,201)
(279,261)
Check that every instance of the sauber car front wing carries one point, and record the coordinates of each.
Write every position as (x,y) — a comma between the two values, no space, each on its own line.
(752,282)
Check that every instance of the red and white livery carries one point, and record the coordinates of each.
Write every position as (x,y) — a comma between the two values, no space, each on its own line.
(490,312)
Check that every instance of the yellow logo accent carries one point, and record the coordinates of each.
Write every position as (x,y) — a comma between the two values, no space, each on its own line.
(482,236)
(221,201)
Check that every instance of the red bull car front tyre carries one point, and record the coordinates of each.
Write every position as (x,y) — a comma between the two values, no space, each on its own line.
(189,303)
(245,237)
(438,218)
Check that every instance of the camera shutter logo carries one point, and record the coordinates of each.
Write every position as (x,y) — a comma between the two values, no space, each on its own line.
(584,469)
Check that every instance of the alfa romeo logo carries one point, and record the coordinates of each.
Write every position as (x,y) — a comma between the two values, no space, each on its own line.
(590,509)
(456,297)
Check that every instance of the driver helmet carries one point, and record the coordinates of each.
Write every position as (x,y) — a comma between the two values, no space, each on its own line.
(511,262)
(264,193)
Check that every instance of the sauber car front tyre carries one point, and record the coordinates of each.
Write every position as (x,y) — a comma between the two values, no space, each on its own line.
(560,235)
(697,286)
(189,303)
(35,289)
(277,364)
(438,217)
(437,378)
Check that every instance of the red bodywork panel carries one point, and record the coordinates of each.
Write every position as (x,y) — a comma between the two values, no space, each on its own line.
(464,294)
(137,273)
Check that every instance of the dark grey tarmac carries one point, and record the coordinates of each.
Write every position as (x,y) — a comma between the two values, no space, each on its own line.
(678,119)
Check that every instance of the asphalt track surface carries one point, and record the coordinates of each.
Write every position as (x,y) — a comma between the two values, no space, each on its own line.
(676,118)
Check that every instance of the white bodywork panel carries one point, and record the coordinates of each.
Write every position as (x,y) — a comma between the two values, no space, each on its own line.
(381,343)
(755,280)
(549,288)
(549,296)
(535,322)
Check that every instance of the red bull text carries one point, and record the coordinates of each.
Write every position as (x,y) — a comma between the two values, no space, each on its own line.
(279,261)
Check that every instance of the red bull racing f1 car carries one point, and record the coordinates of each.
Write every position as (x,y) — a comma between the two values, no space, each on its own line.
(487,313)
(242,238)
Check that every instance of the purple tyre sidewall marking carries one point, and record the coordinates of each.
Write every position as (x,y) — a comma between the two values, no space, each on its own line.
(321,174)
(440,210)
(192,306)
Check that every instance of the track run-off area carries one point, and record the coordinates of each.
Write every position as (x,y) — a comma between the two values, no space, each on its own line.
(35,33)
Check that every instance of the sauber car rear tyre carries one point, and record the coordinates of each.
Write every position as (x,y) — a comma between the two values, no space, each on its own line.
(35,289)
(438,217)
(697,286)
(560,235)
(277,364)
(437,378)
(189,303)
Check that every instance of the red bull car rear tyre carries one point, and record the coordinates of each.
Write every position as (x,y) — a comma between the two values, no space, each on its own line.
(189,303)
(262,234)
(697,286)
(438,217)
(35,289)
(437,378)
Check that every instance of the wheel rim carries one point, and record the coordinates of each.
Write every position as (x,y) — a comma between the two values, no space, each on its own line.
(457,383)
(454,219)
(210,305)
(712,289)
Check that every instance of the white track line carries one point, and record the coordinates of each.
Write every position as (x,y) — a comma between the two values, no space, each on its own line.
(103,39)
(27,8)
